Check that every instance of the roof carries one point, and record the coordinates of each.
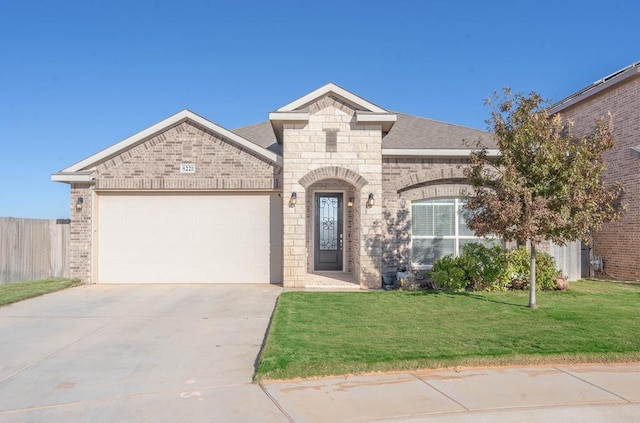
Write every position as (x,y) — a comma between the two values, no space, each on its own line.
(413,132)
(408,132)
(298,110)
(598,86)
(261,134)
(357,101)
(404,135)
(81,171)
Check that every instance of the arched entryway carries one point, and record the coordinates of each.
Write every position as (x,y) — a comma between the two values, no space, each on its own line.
(332,216)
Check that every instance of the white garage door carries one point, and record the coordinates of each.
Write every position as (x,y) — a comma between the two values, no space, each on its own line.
(188,238)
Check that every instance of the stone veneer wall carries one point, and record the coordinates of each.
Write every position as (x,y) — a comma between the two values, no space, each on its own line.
(357,150)
(618,242)
(155,165)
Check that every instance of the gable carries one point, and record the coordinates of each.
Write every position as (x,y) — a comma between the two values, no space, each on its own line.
(338,93)
(215,163)
(81,170)
(330,95)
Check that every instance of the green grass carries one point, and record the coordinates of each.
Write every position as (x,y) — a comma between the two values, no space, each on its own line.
(321,334)
(19,291)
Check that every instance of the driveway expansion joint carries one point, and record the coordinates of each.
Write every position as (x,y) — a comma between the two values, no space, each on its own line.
(53,353)
(276,403)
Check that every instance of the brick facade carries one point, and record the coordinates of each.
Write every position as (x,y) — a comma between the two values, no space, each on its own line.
(81,236)
(405,180)
(333,143)
(154,165)
(617,243)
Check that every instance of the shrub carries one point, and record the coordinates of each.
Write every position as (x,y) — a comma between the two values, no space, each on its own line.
(492,269)
(518,270)
(484,266)
(447,273)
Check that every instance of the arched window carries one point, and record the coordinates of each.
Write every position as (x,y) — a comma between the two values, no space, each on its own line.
(438,229)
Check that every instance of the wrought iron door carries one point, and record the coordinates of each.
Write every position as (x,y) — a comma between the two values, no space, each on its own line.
(328,239)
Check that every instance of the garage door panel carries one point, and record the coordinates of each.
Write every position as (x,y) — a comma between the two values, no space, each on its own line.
(185,238)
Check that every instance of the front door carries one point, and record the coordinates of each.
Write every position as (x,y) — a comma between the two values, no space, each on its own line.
(328,239)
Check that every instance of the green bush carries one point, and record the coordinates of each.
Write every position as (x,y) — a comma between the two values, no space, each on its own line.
(519,265)
(492,269)
(484,266)
(448,273)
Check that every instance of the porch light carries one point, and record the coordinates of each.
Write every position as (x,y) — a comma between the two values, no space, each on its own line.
(79,202)
(350,202)
(370,201)
(293,200)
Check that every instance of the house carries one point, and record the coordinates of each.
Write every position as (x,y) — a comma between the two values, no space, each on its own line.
(331,184)
(618,243)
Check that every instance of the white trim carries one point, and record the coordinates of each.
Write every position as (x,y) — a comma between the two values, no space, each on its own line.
(386,120)
(178,118)
(289,116)
(95,218)
(72,177)
(436,152)
(375,117)
(331,88)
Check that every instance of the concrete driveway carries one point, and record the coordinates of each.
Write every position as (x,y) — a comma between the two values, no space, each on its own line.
(186,353)
(107,353)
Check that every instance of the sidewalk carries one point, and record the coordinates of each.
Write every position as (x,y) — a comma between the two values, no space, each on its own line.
(567,394)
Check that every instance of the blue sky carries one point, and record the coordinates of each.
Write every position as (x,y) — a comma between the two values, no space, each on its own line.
(79,76)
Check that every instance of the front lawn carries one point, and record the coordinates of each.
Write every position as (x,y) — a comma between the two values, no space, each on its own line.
(19,291)
(320,334)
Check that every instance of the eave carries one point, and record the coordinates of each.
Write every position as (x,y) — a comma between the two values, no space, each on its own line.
(597,87)
(349,97)
(440,152)
(73,177)
(65,175)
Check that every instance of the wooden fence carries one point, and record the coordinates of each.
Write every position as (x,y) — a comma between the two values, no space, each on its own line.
(568,259)
(33,249)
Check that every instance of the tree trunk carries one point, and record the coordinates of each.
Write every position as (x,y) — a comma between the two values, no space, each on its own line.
(532,281)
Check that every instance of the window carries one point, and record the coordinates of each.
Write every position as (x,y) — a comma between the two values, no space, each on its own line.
(438,229)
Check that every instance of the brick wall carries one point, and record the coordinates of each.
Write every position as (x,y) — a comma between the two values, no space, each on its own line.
(155,165)
(80,240)
(405,180)
(619,242)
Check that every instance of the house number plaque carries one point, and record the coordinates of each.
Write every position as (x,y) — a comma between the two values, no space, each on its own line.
(187,168)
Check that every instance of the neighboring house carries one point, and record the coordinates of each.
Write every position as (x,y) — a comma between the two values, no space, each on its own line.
(618,243)
(331,182)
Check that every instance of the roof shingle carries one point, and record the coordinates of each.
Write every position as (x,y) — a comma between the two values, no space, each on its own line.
(409,132)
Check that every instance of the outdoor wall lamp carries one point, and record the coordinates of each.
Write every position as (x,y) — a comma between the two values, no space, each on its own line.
(79,202)
(293,200)
(350,202)
(370,201)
